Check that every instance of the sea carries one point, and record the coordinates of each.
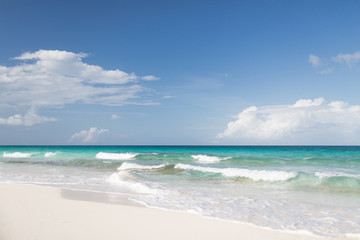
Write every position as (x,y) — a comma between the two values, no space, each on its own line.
(307,189)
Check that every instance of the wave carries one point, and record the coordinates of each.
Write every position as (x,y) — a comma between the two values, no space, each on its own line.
(255,175)
(116,156)
(50,154)
(17,155)
(119,180)
(327,181)
(323,175)
(126,166)
(208,159)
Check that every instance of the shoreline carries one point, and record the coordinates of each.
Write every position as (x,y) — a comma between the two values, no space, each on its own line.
(43,212)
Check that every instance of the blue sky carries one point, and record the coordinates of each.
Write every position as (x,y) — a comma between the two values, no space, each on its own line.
(179,72)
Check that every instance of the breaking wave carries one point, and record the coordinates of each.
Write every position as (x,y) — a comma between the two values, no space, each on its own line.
(119,179)
(50,154)
(208,159)
(116,156)
(17,155)
(127,166)
(323,175)
(255,175)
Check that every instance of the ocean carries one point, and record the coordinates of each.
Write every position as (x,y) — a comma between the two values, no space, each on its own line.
(313,189)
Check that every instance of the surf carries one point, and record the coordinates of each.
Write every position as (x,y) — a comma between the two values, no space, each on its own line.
(116,156)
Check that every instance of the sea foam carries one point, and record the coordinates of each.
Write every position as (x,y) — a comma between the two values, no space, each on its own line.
(322,175)
(116,156)
(137,187)
(255,175)
(127,166)
(208,159)
(17,155)
(50,154)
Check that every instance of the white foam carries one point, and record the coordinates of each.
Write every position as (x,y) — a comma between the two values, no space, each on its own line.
(208,159)
(17,155)
(256,175)
(50,154)
(322,175)
(118,179)
(116,156)
(126,166)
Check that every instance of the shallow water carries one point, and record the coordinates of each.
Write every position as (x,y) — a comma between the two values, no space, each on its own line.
(316,189)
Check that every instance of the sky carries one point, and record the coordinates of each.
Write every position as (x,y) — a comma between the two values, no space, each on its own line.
(179,72)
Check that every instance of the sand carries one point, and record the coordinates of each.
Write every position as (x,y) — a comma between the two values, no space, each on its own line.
(29,212)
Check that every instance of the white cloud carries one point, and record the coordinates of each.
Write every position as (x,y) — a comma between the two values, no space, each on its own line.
(87,136)
(308,103)
(149,78)
(349,59)
(314,60)
(168,96)
(63,63)
(29,119)
(114,117)
(325,71)
(52,78)
(310,118)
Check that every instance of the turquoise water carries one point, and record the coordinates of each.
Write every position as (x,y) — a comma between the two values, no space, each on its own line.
(313,189)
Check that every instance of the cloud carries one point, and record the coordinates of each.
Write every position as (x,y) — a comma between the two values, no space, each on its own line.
(149,78)
(114,117)
(349,59)
(325,71)
(63,63)
(309,118)
(305,103)
(314,60)
(53,78)
(29,119)
(168,96)
(87,136)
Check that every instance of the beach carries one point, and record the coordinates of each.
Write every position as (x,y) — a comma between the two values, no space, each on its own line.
(204,120)
(38,212)
(193,192)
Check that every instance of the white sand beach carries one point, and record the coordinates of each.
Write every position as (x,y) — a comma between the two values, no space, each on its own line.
(42,213)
